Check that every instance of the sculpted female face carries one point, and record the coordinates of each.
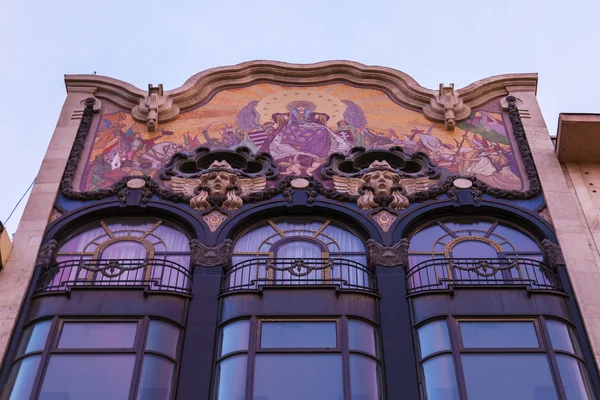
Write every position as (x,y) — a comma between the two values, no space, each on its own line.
(381,181)
(217,182)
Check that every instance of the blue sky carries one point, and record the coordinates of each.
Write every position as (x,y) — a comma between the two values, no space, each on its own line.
(166,42)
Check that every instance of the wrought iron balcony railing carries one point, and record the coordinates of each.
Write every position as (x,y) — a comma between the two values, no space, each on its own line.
(152,274)
(261,272)
(439,274)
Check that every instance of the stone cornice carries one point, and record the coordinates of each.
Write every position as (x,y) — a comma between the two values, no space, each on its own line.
(155,106)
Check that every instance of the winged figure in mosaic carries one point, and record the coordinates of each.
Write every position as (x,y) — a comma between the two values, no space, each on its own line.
(381,181)
(219,184)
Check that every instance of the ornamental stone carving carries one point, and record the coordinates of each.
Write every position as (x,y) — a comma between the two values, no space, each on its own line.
(552,253)
(446,105)
(219,183)
(155,107)
(381,185)
(46,254)
(388,256)
(207,256)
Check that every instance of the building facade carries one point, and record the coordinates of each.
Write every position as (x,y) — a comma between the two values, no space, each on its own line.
(326,231)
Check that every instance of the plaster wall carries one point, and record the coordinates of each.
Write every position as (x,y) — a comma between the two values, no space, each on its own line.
(573,208)
(16,275)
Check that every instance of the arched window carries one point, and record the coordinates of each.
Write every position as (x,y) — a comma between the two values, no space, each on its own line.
(299,252)
(475,251)
(122,251)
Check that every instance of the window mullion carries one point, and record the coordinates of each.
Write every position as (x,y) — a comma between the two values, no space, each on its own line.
(344,346)
(50,342)
(456,346)
(255,326)
(547,342)
(140,343)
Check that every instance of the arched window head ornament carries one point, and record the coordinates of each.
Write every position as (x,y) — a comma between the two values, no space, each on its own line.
(219,185)
(380,185)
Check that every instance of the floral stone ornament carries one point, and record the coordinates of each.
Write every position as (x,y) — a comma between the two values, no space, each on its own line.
(219,185)
(380,185)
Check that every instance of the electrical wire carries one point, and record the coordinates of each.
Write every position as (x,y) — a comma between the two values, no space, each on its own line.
(19,202)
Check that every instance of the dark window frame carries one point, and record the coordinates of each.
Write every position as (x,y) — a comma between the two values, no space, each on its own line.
(138,350)
(342,348)
(457,349)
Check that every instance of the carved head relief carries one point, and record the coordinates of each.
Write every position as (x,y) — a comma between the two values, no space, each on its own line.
(220,183)
(219,177)
(380,180)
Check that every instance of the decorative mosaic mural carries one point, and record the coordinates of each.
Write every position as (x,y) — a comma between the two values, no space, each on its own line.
(300,127)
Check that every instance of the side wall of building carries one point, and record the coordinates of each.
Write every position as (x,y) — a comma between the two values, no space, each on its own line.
(15,277)
(571,210)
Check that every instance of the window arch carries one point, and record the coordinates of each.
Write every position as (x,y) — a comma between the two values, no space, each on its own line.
(122,251)
(475,251)
(302,251)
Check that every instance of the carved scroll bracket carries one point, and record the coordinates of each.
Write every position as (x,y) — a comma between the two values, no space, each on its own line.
(392,256)
(155,107)
(446,105)
(207,256)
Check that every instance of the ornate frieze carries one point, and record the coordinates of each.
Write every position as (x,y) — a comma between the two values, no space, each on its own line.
(400,87)
(386,176)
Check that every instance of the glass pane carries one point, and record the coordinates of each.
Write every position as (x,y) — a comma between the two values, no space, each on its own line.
(163,337)
(251,241)
(508,376)
(425,238)
(433,337)
(520,241)
(560,336)
(88,377)
(235,336)
(488,334)
(345,239)
(364,377)
(299,249)
(97,335)
(125,250)
(231,378)
(571,373)
(34,338)
(298,334)
(21,378)
(173,239)
(361,336)
(79,242)
(474,249)
(157,376)
(298,377)
(440,378)
(469,225)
